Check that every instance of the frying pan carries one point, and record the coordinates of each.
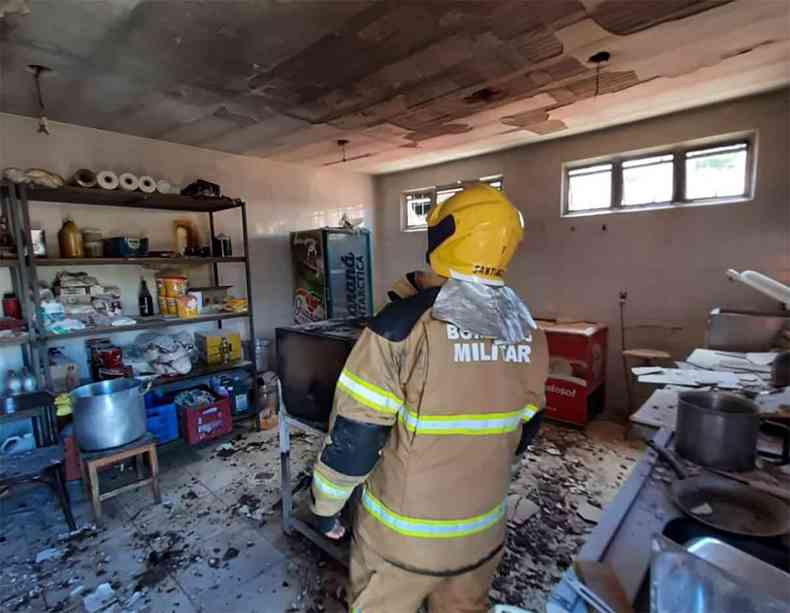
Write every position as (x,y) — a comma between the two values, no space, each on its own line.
(737,508)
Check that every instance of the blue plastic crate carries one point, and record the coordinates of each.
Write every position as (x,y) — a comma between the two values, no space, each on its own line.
(161,419)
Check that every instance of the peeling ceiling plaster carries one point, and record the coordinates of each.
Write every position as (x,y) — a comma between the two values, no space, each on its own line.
(406,83)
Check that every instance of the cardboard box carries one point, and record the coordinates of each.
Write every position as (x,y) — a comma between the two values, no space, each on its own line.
(219,348)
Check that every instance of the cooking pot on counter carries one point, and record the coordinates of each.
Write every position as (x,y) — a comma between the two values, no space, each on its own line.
(717,430)
(109,413)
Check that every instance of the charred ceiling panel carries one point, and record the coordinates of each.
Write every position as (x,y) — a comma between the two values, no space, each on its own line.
(287,78)
(626,16)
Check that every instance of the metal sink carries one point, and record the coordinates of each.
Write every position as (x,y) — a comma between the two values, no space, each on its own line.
(684,530)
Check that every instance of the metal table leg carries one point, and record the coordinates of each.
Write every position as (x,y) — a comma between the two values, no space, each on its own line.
(285,469)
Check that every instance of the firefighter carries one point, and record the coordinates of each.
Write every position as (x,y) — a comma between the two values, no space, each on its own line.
(439,393)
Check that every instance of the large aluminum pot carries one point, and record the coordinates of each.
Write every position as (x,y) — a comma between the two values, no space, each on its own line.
(717,430)
(109,413)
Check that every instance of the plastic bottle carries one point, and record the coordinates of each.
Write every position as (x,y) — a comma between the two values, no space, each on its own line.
(146,302)
(13,383)
(29,383)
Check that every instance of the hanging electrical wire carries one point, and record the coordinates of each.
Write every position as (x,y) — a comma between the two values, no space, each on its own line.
(598,59)
(38,70)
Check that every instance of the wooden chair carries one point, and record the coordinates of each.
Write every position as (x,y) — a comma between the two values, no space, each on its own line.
(44,464)
(93,462)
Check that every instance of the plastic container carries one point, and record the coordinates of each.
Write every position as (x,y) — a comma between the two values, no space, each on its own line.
(160,287)
(187,307)
(175,286)
(92,243)
(162,422)
(163,308)
(200,424)
(125,247)
(172,306)
(262,352)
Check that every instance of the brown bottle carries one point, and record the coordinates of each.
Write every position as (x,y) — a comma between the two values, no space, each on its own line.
(70,239)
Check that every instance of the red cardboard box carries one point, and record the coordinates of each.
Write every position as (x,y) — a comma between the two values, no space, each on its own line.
(576,387)
(199,424)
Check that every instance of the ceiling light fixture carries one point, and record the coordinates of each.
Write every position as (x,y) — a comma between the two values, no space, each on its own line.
(599,58)
(38,71)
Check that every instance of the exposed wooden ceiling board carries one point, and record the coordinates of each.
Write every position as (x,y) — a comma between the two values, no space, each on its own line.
(516,17)
(546,127)
(440,130)
(626,16)
(609,82)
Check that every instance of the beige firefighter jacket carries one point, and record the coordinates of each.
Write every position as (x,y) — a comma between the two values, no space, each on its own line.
(452,406)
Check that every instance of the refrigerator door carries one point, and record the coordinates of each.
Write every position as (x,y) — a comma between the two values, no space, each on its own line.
(349,282)
(307,253)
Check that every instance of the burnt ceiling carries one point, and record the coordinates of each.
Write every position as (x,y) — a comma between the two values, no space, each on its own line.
(404,82)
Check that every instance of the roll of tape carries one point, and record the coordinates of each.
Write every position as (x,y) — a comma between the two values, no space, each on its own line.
(84,177)
(163,186)
(147,184)
(129,182)
(107,179)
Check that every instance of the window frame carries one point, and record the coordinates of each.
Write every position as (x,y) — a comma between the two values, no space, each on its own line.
(434,191)
(678,151)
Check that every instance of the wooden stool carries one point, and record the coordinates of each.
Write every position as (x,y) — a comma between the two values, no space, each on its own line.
(93,461)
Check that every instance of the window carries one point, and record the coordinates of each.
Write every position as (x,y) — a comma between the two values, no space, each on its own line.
(418,202)
(708,173)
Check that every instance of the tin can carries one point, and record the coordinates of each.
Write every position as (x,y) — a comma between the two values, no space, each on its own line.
(11,306)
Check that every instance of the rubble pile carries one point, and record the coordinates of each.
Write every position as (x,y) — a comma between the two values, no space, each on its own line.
(563,482)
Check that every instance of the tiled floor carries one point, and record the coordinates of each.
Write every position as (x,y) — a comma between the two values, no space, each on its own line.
(215,544)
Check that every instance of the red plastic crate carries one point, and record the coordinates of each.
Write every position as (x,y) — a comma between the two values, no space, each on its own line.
(199,424)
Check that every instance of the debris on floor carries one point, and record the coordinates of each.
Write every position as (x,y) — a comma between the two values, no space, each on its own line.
(216,543)
(567,476)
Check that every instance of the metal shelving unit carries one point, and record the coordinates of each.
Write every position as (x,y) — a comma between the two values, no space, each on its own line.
(16,201)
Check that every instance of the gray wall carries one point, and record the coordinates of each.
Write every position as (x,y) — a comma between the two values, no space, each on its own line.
(671,262)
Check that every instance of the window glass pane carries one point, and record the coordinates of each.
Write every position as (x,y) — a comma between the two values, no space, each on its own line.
(590,189)
(445,194)
(417,206)
(716,173)
(647,180)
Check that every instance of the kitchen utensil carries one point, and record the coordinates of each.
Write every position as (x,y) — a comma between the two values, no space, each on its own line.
(780,370)
(109,413)
(70,239)
(717,430)
(735,507)
(774,490)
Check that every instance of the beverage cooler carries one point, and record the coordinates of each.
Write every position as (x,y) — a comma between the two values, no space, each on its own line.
(332,274)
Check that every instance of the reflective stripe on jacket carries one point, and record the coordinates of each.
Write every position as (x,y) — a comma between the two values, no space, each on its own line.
(435,500)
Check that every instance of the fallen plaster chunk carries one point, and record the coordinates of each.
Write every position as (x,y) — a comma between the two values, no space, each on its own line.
(589,513)
(702,509)
(49,554)
(520,509)
(99,599)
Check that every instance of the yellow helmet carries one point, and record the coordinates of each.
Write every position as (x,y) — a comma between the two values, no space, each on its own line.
(474,234)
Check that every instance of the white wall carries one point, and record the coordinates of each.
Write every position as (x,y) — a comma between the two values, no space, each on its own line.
(672,262)
(280,198)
